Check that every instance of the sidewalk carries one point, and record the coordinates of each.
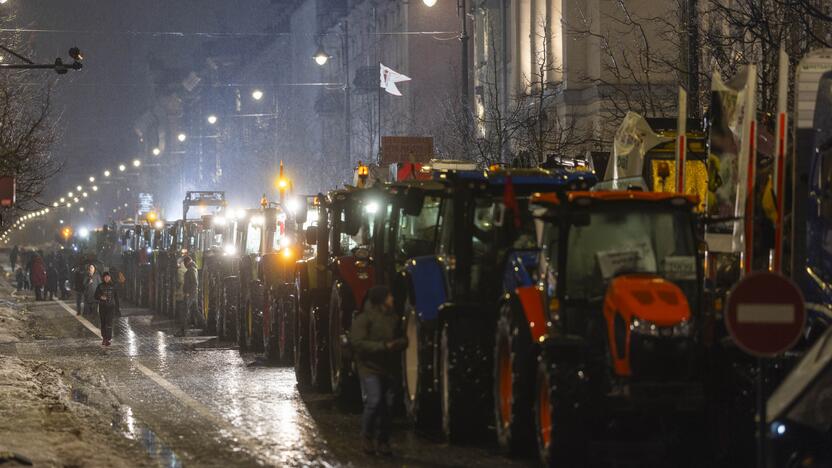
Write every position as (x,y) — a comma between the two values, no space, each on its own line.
(39,419)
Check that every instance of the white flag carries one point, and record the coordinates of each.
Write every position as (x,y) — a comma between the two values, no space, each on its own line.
(389,78)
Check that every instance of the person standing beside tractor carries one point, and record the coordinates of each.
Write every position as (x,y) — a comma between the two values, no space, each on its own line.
(91,282)
(190,295)
(377,342)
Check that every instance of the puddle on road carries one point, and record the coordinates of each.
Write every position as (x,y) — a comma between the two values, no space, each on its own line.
(126,425)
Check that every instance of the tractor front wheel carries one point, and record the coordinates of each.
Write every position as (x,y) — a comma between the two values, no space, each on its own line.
(514,372)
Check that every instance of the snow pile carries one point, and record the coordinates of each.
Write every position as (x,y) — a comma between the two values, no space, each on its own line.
(39,420)
(12,322)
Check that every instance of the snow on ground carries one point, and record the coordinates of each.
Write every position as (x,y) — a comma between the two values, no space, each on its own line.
(12,322)
(39,420)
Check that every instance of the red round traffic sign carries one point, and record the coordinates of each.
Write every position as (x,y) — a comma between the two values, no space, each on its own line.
(765,314)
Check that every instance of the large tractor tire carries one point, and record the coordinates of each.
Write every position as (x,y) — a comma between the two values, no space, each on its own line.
(318,350)
(343,378)
(420,397)
(286,317)
(301,344)
(242,326)
(270,326)
(464,381)
(514,374)
(209,308)
(562,423)
(227,311)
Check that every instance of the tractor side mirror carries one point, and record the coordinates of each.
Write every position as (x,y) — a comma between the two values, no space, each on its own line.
(312,235)
(352,219)
(302,213)
(413,201)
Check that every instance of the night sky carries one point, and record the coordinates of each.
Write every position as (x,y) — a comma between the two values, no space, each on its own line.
(99,105)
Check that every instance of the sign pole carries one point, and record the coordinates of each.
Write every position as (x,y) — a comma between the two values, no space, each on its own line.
(681,144)
(761,412)
(780,163)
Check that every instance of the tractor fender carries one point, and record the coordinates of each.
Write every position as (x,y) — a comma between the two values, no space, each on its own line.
(427,286)
(359,279)
(531,302)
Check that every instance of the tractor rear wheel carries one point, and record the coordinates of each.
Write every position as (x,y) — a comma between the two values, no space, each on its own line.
(242,326)
(343,381)
(301,344)
(463,379)
(561,422)
(270,324)
(514,372)
(318,352)
(286,316)
(420,399)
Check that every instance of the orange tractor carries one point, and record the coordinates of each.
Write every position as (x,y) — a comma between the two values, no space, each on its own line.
(610,334)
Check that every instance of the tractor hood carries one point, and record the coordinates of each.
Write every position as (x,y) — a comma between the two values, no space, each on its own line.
(641,307)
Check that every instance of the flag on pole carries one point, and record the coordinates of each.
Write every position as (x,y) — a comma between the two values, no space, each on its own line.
(389,78)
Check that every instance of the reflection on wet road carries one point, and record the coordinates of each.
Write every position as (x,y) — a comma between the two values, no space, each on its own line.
(193,401)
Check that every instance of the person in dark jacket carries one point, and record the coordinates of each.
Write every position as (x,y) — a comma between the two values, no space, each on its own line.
(376,339)
(13,256)
(52,281)
(107,297)
(91,282)
(21,279)
(190,292)
(78,286)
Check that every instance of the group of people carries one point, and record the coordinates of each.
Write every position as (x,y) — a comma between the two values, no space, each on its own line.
(46,275)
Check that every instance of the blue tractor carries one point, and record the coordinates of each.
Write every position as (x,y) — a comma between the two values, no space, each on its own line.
(459,243)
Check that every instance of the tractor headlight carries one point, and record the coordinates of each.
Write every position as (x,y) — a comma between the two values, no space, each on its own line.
(647,328)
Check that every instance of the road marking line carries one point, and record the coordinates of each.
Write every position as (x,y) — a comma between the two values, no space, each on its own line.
(80,318)
(223,426)
(765,313)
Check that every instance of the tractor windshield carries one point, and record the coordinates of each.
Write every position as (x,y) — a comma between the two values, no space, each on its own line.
(617,238)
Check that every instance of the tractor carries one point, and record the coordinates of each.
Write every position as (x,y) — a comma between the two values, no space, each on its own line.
(456,243)
(612,324)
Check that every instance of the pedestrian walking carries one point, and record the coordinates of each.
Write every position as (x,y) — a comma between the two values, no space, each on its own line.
(13,256)
(78,286)
(107,297)
(190,295)
(91,282)
(52,281)
(37,275)
(20,277)
(377,342)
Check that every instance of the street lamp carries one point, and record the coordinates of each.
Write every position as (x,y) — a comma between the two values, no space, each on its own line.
(122,167)
(94,188)
(182,137)
(212,119)
(321,57)
(107,173)
(70,194)
(78,188)
(136,163)
(156,151)
(92,179)
(257,95)
(429,3)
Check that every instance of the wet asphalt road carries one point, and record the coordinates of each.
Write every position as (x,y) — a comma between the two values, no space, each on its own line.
(194,402)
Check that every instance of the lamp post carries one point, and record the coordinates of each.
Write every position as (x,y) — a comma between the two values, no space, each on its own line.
(321,58)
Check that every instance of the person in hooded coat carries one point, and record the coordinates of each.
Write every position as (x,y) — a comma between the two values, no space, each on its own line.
(37,275)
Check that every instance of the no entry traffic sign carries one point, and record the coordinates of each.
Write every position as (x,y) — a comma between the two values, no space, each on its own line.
(765,314)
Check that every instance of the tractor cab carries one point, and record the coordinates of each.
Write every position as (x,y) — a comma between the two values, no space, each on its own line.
(616,311)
